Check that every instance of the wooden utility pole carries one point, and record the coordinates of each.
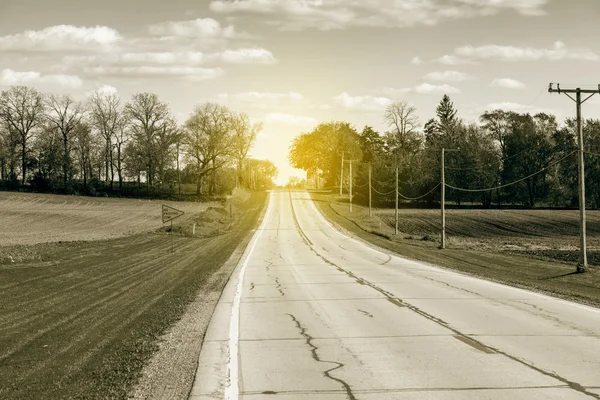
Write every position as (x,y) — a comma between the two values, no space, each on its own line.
(396,191)
(350,185)
(443,197)
(370,197)
(583,264)
(342,173)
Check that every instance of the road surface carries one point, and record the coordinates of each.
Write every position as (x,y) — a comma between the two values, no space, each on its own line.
(311,313)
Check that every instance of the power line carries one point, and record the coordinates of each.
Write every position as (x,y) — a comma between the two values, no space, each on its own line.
(512,183)
(420,197)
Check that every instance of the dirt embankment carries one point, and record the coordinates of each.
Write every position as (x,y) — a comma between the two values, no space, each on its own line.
(82,319)
(535,250)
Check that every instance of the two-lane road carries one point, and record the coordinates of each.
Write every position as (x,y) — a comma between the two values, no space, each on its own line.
(311,313)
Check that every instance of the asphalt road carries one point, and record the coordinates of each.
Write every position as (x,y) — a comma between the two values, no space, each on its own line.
(311,313)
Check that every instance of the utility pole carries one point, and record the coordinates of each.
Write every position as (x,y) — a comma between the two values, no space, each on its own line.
(350,185)
(396,191)
(342,173)
(443,197)
(370,197)
(583,264)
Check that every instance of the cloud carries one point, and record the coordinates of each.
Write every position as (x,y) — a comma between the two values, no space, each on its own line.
(363,103)
(8,77)
(289,119)
(344,14)
(507,83)
(507,105)
(452,60)
(416,61)
(173,58)
(62,38)
(201,28)
(261,97)
(514,53)
(248,56)
(426,88)
(190,73)
(448,76)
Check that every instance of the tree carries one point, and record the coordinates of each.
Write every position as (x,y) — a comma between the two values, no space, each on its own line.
(244,136)
(209,140)
(121,136)
(22,109)
(446,113)
(64,114)
(402,119)
(84,146)
(498,124)
(150,119)
(371,144)
(320,150)
(107,116)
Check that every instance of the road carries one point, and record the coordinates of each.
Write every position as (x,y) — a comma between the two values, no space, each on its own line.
(311,313)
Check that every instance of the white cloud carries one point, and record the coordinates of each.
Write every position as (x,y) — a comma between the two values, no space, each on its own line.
(343,14)
(452,60)
(448,76)
(429,88)
(61,38)
(8,77)
(289,119)
(205,28)
(364,103)
(416,61)
(514,53)
(261,97)
(507,105)
(191,73)
(507,83)
(248,56)
(181,58)
(388,91)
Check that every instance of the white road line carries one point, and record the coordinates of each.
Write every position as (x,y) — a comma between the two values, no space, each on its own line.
(535,294)
(232,389)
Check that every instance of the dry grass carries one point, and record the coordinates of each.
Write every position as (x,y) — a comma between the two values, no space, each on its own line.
(532,249)
(30,218)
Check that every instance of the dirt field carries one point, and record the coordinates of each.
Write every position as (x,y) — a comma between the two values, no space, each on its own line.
(30,218)
(534,249)
(81,319)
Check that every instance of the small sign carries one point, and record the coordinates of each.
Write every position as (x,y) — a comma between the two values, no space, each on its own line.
(170,213)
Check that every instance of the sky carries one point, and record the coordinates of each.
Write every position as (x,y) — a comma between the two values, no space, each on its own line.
(294,63)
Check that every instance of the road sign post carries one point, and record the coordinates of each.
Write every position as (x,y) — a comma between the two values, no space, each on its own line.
(168,215)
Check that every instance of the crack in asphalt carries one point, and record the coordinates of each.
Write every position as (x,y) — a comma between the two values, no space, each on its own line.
(458,335)
(279,287)
(313,351)
(368,314)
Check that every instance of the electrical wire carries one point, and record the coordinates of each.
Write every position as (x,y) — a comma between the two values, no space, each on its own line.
(511,183)
(420,197)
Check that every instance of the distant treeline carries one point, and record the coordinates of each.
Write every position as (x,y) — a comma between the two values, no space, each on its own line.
(504,148)
(102,146)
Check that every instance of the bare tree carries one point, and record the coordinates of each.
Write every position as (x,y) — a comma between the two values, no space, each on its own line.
(208,140)
(22,109)
(65,114)
(106,112)
(244,135)
(84,148)
(149,118)
(121,138)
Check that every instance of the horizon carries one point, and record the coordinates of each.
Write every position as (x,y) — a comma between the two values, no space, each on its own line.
(294,64)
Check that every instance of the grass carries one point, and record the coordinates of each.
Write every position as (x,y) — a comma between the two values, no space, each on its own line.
(80,319)
(532,249)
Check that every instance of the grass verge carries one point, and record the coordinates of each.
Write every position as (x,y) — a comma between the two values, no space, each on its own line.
(521,269)
(80,319)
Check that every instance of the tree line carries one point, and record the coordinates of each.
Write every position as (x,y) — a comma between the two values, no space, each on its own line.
(504,147)
(51,142)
